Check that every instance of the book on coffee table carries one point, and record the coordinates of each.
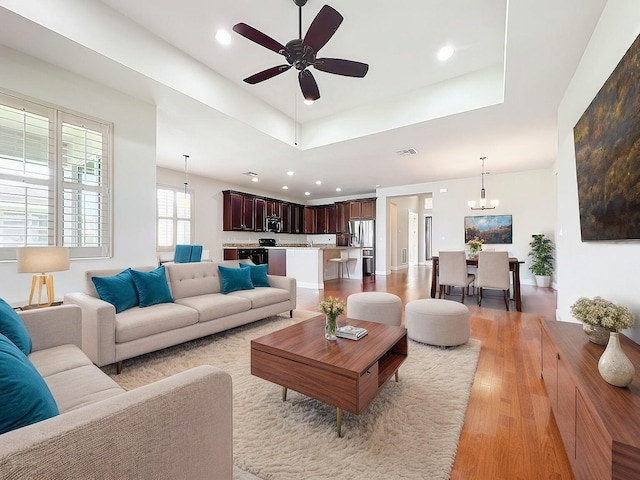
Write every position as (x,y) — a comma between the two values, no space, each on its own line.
(351,332)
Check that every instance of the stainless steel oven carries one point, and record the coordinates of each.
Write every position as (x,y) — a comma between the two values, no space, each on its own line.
(259,256)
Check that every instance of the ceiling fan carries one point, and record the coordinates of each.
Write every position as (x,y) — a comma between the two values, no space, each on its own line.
(301,52)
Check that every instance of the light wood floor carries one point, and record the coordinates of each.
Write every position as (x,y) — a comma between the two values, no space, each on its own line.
(509,431)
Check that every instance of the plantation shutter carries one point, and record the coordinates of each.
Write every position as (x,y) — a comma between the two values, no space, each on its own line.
(85,211)
(27,187)
(54,179)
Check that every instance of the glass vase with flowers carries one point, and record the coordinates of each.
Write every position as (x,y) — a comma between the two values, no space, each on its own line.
(332,308)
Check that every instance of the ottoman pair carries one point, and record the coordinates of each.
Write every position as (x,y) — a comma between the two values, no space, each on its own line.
(433,321)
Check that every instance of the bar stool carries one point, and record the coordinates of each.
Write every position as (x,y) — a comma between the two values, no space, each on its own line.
(342,262)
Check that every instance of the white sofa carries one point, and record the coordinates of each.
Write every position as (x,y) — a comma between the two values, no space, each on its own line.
(179,427)
(200,309)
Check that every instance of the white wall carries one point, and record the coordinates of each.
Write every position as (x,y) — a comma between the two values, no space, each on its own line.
(528,196)
(607,269)
(134,171)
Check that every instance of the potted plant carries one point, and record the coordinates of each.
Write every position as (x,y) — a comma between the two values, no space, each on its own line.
(599,317)
(541,255)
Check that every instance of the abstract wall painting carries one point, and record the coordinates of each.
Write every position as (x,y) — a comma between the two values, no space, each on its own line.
(607,146)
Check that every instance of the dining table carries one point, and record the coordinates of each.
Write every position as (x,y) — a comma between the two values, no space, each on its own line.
(514,268)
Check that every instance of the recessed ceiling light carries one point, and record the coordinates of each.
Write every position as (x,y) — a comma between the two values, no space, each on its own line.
(307,193)
(223,37)
(285,188)
(290,173)
(318,182)
(445,53)
(338,189)
(254,179)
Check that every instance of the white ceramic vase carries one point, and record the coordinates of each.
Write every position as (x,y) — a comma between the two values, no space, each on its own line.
(614,366)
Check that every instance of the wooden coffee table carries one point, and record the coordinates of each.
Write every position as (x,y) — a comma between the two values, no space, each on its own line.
(347,374)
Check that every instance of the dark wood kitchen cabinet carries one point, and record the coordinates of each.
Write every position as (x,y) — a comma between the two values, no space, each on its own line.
(369,208)
(309,219)
(230,254)
(321,220)
(599,423)
(285,217)
(365,208)
(259,214)
(277,261)
(331,219)
(342,217)
(325,219)
(297,218)
(273,207)
(238,211)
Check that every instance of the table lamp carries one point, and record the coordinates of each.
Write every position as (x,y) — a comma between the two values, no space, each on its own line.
(40,260)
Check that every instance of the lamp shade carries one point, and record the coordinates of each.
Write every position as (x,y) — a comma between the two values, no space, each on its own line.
(42,259)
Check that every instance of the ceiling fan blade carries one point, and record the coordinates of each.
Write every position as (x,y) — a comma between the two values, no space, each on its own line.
(322,28)
(266,74)
(308,85)
(257,36)
(338,66)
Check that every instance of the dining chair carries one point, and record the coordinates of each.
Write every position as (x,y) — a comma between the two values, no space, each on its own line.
(493,273)
(452,272)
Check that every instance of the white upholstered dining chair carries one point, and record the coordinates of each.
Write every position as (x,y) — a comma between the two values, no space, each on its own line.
(453,272)
(493,273)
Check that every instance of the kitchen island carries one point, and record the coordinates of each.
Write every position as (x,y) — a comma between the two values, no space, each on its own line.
(309,264)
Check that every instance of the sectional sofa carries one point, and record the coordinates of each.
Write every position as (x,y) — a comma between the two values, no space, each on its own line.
(197,307)
(179,427)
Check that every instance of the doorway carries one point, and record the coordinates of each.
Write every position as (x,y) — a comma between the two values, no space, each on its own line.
(428,232)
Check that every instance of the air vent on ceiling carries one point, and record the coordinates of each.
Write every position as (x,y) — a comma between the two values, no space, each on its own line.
(250,174)
(408,151)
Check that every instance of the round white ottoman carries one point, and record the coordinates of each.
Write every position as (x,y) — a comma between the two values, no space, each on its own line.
(437,322)
(378,307)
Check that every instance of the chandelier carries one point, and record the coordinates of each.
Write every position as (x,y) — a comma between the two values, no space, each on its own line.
(483,201)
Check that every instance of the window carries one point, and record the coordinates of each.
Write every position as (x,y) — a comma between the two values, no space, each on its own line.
(54,179)
(174,217)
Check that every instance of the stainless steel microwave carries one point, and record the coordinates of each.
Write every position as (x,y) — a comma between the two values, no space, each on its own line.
(274,224)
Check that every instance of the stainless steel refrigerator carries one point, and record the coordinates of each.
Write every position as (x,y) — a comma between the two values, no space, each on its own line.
(362,234)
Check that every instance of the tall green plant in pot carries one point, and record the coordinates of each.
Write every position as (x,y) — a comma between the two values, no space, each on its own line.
(541,256)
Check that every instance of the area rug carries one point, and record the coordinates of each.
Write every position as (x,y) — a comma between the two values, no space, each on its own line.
(410,430)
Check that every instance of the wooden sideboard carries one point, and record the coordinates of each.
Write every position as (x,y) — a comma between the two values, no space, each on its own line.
(599,423)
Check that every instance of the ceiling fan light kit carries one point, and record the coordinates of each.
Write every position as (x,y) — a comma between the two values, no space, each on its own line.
(300,53)
(482,204)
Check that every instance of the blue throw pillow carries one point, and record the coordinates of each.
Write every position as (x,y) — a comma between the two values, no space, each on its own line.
(11,326)
(258,274)
(24,396)
(118,290)
(152,287)
(235,279)
(196,253)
